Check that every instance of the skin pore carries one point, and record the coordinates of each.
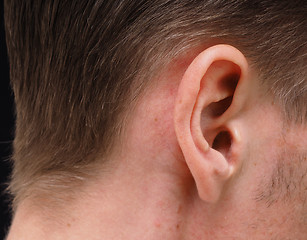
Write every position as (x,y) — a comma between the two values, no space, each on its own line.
(148,192)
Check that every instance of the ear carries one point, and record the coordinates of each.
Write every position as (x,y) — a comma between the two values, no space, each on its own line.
(211,94)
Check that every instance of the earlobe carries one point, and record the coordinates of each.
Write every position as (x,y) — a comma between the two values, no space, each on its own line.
(209,96)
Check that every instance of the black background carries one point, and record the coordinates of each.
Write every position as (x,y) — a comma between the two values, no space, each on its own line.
(6,129)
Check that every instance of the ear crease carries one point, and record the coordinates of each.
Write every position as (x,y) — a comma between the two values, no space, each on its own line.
(217,109)
(228,85)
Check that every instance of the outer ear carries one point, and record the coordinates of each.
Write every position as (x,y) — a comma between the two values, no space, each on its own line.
(211,93)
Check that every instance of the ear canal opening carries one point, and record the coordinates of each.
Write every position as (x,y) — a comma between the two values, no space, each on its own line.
(222,143)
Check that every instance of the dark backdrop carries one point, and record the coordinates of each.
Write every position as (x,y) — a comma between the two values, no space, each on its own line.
(6,129)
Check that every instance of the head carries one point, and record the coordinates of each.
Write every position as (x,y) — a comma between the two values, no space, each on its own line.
(210,94)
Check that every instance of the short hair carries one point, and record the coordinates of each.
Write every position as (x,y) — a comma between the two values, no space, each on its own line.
(76,68)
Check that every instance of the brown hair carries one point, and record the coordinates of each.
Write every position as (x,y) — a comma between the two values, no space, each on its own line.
(73,65)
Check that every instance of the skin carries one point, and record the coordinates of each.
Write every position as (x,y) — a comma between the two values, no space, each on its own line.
(157,188)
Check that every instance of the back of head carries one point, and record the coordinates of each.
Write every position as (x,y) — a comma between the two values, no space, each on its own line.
(78,66)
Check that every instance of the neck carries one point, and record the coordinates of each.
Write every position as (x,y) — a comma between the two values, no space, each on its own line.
(123,207)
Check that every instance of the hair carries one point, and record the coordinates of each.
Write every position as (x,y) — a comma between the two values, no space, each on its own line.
(76,68)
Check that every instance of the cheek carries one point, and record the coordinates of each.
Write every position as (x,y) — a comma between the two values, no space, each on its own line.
(270,195)
(280,195)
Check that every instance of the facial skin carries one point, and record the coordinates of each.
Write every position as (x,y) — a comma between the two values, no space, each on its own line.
(174,177)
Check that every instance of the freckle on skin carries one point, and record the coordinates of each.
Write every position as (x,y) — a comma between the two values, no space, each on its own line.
(157,224)
(68,225)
